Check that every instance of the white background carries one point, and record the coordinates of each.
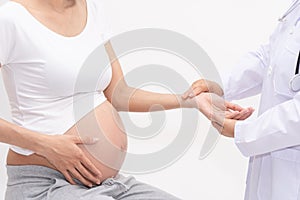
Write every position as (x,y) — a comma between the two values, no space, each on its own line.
(226,29)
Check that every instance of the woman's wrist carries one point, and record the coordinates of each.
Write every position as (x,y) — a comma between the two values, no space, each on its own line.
(40,144)
(32,140)
(21,137)
(187,103)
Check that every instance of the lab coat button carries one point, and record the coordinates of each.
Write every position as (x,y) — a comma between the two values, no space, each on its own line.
(270,71)
(292,30)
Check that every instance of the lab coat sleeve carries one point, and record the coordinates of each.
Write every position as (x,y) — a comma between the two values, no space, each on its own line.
(247,76)
(275,129)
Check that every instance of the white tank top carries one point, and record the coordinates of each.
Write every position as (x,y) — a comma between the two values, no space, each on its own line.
(40,69)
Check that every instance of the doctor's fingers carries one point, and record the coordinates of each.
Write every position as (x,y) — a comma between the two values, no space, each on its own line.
(242,114)
(239,115)
(196,88)
(233,106)
(196,91)
(231,114)
(186,94)
(246,115)
(192,92)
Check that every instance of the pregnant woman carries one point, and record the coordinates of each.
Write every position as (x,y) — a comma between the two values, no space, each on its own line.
(43,45)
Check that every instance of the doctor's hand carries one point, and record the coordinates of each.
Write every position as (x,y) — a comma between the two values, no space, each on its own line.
(63,153)
(216,109)
(201,86)
(226,128)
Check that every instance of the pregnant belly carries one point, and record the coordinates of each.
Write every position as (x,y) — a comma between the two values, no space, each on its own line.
(105,124)
(107,154)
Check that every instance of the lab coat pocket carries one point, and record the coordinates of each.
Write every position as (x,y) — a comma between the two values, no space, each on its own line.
(284,69)
(285,174)
(293,39)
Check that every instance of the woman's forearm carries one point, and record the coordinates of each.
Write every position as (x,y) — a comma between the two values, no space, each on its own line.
(18,136)
(137,100)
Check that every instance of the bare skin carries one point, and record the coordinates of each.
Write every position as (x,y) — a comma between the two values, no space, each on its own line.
(64,17)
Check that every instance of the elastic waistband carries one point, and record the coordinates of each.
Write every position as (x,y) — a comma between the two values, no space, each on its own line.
(21,173)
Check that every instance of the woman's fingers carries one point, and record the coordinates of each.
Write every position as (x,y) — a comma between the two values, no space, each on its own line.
(63,152)
(68,177)
(80,173)
(91,167)
(84,140)
(86,167)
(86,174)
(80,177)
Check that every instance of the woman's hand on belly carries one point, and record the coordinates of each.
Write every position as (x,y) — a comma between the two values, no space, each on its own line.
(104,123)
(63,152)
(76,155)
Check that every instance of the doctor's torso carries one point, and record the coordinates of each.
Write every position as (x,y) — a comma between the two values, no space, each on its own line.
(284,51)
(276,175)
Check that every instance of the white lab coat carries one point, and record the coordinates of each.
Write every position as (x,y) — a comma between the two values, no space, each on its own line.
(272,140)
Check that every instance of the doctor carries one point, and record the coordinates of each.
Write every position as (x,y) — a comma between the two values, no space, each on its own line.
(273,139)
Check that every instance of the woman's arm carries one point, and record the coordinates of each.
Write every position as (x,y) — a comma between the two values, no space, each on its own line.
(126,98)
(60,150)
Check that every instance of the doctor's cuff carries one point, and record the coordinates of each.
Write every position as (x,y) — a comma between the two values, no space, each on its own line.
(240,138)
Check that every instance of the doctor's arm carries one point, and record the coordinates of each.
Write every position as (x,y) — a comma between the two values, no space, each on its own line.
(276,129)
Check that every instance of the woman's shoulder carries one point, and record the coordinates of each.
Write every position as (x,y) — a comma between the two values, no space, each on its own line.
(9,12)
(95,3)
(98,7)
(100,12)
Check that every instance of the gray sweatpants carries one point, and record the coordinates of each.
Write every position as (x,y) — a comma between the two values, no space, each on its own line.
(42,183)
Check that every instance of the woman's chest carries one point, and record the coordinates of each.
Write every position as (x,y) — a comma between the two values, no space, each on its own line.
(57,67)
